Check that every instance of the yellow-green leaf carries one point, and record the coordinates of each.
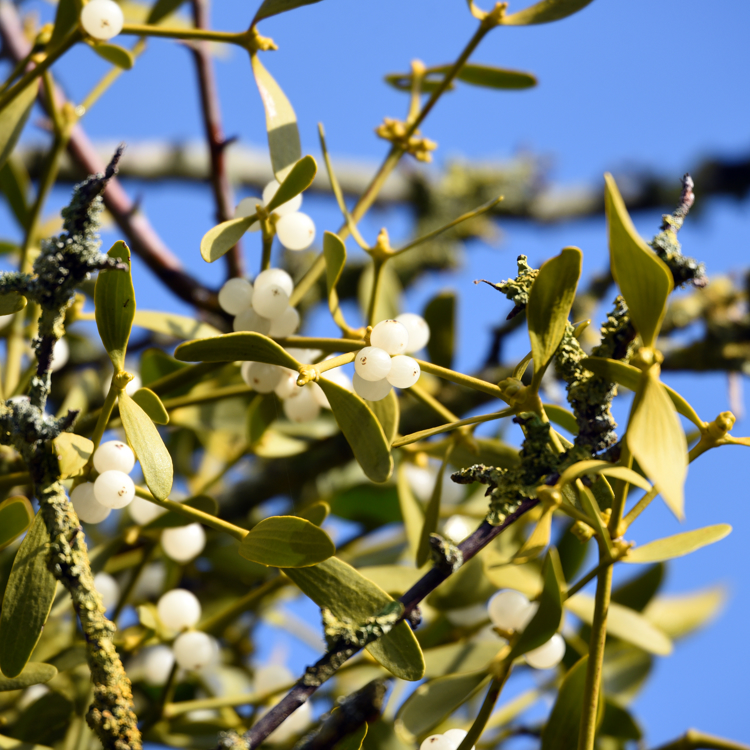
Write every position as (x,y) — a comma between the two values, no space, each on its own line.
(644,279)
(286,542)
(432,514)
(352,597)
(16,516)
(440,314)
(73,453)
(149,448)
(33,673)
(544,12)
(550,300)
(220,239)
(469,585)
(538,539)
(315,513)
(114,300)
(274,7)
(460,658)
(11,303)
(281,122)
(178,326)
(237,347)
(298,179)
(677,545)
(605,468)
(656,440)
(682,614)
(114,54)
(27,601)
(623,623)
(13,118)
(66,18)
(334,252)
(15,186)
(387,412)
(361,430)
(152,405)
(562,417)
(487,76)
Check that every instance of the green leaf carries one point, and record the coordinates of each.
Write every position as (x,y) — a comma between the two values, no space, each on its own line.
(538,540)
(281,122)
(395,580)
(220,239)
(299,178)
(546,621)
(114,54)
(172,519)
(155,364)
(475,75)
(563,726)
(114,300)
(27,601)
(66,18)
(440,314)
(262,412)
(677,545)
(550,300)
(286,542)
(234,347)
(625,670)
(644,279)
(334,252)
(562,417)
(656,440)
(460,658)
(14,185)
(274,7)
(11,303)
(680,615)
(8,743)
(73,453)
(617,722)
(149,448)
(412,512)
(605,468)
(361,430)
(354,740)
(16,516)
(637,591)
(630,377)
(431,514)
(623,623)
(387,412)
(152,405)
(33,673)
(13,118)
(391,291)
(45,720)
(178,326)
(352,597)
(544,12)
(315,513)
(434,701)
(161,9)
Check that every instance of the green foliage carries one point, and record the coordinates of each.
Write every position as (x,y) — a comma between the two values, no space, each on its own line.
(287,542)
(16,516)
(114,298)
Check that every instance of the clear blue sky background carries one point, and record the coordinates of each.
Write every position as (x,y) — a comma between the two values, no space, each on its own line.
(622,84)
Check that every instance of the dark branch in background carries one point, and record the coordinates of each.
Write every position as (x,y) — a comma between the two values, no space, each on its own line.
(143,239)
(217,144)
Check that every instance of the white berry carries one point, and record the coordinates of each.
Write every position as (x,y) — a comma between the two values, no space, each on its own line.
(437,742)
(303,407)
(548,655)
(285,208)
(246,208)
(370,390)
(85,504)
(183,543)
(143,512)
(276,276)
(108,589)
(295,231)
(270,301)
(260,376)
(510,610)
(372,363)
(60,355)
(235,296)
(194,650)
(113,488)
(102,19)
(287,386)
(404,372)
(179,609)
(456,736)
(419,331)
(114,455)
(285,324)
(157,664)
(249,320)
(390,336)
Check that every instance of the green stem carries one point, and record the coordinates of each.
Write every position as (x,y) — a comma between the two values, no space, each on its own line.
(334,362)
(224,701)
(422,434)
(104,414)
(638,508)
(268,236)
(377,276)
(460,379)
(207,35)
(488,705)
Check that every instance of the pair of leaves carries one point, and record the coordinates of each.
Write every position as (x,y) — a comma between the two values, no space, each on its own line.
(27,601)
(287,542)
(223,237)
(16,516)
(351,597)
(487,76)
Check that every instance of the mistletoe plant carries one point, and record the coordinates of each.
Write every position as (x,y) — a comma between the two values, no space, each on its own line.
(167,595)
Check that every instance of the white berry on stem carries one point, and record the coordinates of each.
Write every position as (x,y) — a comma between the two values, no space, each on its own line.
(372,363)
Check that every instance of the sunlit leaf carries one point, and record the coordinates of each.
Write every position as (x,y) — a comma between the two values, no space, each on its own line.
(274,7)
(170,324)
(544,12)
(33,673)
(16,516)
(440,314)
(287,542)
(460,658)
(352,597)
(13,118)
(149,448)
(387,412)
(298,179)
(550,300)
(334,252)
(219,240)
(644,279)
(73,453)
(114,54)
(562,417)
(656,440)
(677,545)
(680,615)
(361,430)
(281,122)
(114,300)
(236,347)
(638,590)
(605,468)
(315,513)
(152,405)
(27,601)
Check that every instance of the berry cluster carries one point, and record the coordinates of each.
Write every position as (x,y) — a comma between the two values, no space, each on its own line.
(384,363)
(102,19)
(510,610)
(448,741)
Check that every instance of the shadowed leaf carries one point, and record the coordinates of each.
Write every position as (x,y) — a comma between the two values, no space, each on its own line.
(220,239)
(234,347)
(16,516)
(114,299)
(412,512)
(33,673)
(286,542)
(387,413)
(274,7)
(13,118)
(440,314)
(118,56)
(298,179)
(11,303)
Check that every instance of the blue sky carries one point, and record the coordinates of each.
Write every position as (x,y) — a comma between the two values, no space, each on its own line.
(621,85)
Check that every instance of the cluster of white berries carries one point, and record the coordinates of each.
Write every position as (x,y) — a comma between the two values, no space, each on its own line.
(102,19)
(510,610)
(263,306)
(448,741)
(384,363)
(295,230)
